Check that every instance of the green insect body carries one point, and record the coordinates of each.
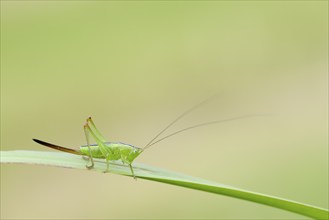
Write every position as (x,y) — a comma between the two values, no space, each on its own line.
(110,151)
(114,151)
(117,151)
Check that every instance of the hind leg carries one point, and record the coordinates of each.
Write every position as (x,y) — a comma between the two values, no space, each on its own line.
(96,132)
(88,144)
(105,150)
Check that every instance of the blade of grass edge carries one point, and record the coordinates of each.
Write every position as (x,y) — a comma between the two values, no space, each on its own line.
(147,172)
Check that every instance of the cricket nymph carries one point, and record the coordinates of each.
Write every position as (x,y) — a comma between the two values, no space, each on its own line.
(113,151)
(110,151)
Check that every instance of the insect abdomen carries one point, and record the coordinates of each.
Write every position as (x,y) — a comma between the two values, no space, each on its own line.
(95,151)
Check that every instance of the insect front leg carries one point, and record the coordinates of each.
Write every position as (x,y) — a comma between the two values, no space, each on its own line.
(88,144)
(125,161)
(132,171)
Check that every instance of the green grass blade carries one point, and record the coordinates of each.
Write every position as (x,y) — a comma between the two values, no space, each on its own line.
(148,172)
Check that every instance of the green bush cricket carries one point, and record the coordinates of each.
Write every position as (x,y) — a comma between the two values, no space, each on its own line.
(113,151)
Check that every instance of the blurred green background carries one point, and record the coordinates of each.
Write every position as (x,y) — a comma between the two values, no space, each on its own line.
(134,66)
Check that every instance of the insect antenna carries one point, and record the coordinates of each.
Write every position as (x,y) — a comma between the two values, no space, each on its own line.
(53,146)
(201,125)
(179,117)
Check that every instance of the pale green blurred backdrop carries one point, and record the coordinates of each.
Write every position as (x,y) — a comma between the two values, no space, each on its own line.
(134,66)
